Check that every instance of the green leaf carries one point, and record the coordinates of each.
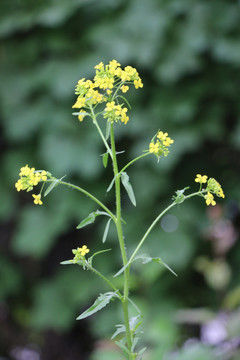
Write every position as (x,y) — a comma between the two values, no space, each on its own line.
(180,197)
(81,113)
(128,187)
(105,159)
(108,128)
(53,184)
(120,329)
(91,218)
(111,184)
(145,259)
(67,262)
(124,349)
(106,231)
(99,303)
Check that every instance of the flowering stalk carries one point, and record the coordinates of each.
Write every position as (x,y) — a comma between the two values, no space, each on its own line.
(103,93)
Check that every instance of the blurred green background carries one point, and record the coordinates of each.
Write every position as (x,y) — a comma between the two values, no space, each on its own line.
(188,55)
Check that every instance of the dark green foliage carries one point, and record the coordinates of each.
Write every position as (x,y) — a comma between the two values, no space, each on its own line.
(188,56)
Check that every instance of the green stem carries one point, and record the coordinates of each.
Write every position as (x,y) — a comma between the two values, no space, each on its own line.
(87,194)
(156,221)
(104,278)
(121,241)
(132,161)
(100,132)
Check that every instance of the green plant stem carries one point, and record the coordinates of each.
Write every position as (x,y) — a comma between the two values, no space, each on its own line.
(89,195)
(100,132)
(90,267)
(121,241)
(156,221)
(132,161)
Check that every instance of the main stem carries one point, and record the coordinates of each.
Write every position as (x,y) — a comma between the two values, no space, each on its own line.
(121,240)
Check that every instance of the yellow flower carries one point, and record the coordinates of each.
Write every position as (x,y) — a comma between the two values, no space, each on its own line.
(214,186)
(83,250)
(202,179)
(138,83)
(210,199)
(19,185)
(43,175)
(124,88)
(221,193)
(168,141)
(162,136)
(37,199)
(154,148)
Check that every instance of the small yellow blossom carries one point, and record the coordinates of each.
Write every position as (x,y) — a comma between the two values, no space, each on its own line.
(79,253)
(202,179)
(210,199)
(214,187)
(124,88)
(138,83)
(19,185)
(83,250)
(37,199)
(154,148)
(161,135)
(161,144)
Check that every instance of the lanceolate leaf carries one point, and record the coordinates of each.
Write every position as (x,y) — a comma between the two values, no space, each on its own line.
(128,187)
(53,184)
(91,218)
(105,234)
(146,259)
(111,185)
(99,303)
(105,159)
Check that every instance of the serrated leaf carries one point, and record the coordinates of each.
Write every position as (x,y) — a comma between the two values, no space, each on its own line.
(53,184)
(105,234)
(128,187)
(105,159)
(124,349)
(120,329)
(98,304)
(180,197)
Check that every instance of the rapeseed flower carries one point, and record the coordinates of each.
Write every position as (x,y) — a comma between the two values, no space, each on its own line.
(29,178)
(37,199)
(209,199)
(108,80)
(213,188)
(160,144)
(79,253)
(202,179)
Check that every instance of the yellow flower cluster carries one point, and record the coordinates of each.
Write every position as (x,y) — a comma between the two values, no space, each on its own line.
(213,187)
(79,253)
(110,76)
(29,178)
(160,144)
(115,112)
